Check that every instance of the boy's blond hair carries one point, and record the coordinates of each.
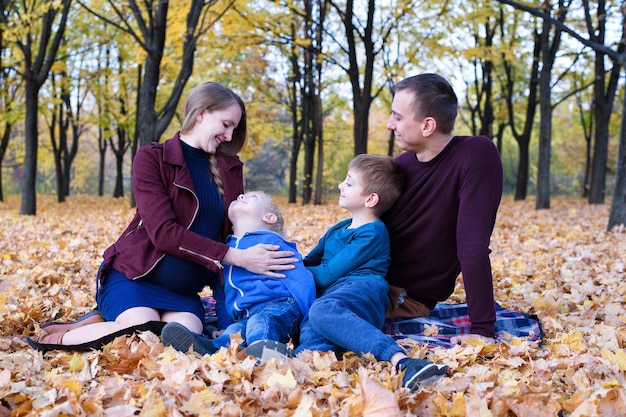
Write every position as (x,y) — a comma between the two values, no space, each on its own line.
(379,174)
(279,225)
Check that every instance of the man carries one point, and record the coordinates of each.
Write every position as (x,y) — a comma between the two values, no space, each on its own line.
(441,225)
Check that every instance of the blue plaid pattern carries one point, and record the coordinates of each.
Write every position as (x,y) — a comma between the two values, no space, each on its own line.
(450,319)
(453,320)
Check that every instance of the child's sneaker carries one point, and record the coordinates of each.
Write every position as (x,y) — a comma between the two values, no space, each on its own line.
(265,350)
(420,373)
(180,338)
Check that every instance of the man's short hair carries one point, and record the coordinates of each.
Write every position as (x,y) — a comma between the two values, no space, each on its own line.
(433,96)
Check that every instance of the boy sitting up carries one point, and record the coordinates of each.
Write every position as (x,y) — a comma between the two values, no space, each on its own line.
(349,265)
(264,310)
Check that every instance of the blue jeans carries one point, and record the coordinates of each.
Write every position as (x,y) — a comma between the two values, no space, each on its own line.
(349,316)
(277,320)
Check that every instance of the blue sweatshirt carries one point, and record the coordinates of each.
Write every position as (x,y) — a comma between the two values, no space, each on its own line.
(245,289)
(344,253)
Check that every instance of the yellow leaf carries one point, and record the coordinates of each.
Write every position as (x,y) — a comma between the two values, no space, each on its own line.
(153,406)
(76,363)
(286,380)
(199,401)
(618,358)
(377,400)
(458,405)
(73,386)
(574,340)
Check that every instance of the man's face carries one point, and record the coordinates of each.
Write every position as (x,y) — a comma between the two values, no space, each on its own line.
(408,132)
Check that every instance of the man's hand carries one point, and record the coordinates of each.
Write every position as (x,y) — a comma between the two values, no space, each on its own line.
(457,340)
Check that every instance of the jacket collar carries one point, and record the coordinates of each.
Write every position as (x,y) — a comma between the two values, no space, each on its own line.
(173,151)
(173,154)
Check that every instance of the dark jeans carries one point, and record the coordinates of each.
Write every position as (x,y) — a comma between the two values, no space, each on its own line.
(278,320)
(349,316)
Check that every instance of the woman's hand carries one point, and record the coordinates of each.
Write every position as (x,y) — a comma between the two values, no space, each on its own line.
(262,259)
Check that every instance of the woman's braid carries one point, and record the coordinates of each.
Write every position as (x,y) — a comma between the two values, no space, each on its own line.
(215,170)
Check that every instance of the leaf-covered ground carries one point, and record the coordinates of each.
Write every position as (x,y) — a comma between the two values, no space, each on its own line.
(560,264)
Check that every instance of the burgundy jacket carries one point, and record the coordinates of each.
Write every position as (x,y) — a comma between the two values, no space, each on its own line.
(166,207)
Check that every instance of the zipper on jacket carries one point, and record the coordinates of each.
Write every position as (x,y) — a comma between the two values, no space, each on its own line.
(215,261)
(245,311)
(197,204)
(135,228)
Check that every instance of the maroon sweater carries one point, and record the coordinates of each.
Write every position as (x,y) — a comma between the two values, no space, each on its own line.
(441,226)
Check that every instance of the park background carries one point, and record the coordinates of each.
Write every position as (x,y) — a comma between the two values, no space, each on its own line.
(82,80)
(84,83)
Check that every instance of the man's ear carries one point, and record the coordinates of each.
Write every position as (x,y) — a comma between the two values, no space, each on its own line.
(270,218)
(372,200)
(429,126)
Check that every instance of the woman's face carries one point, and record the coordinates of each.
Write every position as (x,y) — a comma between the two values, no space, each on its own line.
(214,127)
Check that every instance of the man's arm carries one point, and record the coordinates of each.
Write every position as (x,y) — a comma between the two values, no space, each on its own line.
(479,197)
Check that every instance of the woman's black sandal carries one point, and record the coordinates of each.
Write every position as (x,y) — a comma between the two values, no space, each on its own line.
(48,342)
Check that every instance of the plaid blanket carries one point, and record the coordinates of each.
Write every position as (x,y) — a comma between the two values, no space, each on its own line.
(448,320)
(444,322)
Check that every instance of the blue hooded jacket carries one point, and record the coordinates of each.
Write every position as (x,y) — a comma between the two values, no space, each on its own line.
(245,289)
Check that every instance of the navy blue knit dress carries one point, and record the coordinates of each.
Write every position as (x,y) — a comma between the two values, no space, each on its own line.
(174,284)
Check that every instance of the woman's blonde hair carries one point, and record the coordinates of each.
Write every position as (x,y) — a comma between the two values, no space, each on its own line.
(213,96)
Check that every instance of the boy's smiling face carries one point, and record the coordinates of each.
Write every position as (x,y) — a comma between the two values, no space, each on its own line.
(351,195)
(252,204)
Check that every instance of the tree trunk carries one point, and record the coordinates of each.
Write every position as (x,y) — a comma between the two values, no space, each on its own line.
(123,144)
(308,92)
(118,190)
(29,180)
(545,147)
(295,152)
(523,138)
(361,94)
(618,205)
(296,141)
(522,170)
(549,50)
(309,148)
(4,143)
(102,149)
(361,124)
(135,142)
(37,69)
(597,184)
(604,97)
(70,152)
(319,139)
